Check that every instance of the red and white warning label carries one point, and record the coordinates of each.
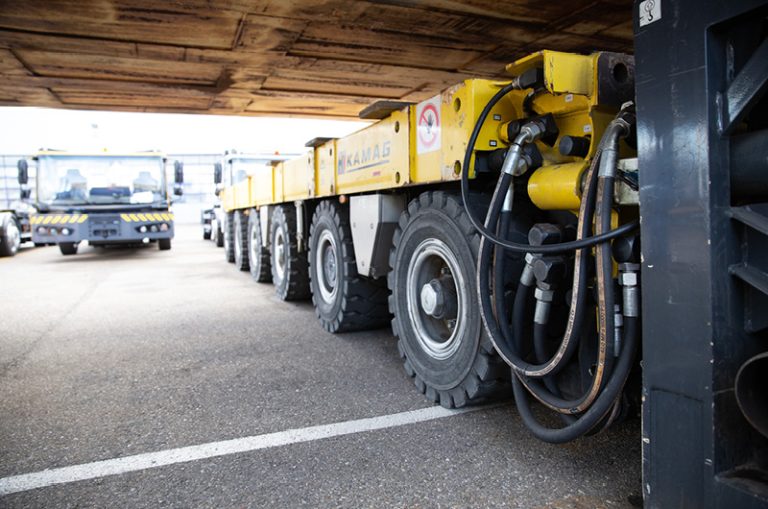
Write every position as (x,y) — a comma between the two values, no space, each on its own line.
(428,125)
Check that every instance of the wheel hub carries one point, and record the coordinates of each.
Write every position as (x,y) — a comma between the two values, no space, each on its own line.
(436,298)
(439,300)
(326,262)
(280,254)
(330,266)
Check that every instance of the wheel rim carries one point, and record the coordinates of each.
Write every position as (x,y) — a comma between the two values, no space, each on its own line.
(13,235)
(226,236)
(436,299)
(280,252)
(326,263)
(255,244)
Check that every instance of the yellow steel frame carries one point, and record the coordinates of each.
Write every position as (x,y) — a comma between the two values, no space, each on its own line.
(384,155)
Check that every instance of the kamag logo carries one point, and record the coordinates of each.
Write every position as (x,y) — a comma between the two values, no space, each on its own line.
(364,158)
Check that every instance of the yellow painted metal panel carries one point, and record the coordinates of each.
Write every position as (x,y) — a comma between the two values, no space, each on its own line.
(564,73)
(376,157)
(325,169)
(460,106)
(277,182)
(242,194)
(299,178)
(261,185)
(227,197)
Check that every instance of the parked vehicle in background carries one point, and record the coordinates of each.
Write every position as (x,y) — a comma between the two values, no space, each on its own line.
(211,229)
(234,167)
(106,199)
(15,210)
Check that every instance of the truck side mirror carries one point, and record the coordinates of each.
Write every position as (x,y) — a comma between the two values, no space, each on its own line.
(23,171)
(178,172)
(24,194)
(217,173)
(177,189)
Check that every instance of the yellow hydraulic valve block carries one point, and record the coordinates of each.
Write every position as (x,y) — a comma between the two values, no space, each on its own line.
(583,93)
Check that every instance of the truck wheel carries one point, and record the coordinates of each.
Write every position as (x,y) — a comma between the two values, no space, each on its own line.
(344,301)
(68,248)
(216,235)
(229,250)
(164,244)
(433,298)
(10,240)
(258,255)
(240,237)
(207,234)
(289,266)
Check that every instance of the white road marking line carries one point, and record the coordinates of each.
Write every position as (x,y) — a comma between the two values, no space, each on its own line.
(26,482)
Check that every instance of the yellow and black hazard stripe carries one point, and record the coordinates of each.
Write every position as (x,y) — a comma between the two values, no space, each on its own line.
(58,219)
(146,217)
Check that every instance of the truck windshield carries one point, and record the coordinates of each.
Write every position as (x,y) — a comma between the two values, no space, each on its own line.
(242,167)
(100,180)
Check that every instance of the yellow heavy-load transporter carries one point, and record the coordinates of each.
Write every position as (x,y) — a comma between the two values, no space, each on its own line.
(402,221)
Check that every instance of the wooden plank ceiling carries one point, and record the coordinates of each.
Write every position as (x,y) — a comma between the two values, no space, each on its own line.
(326,58)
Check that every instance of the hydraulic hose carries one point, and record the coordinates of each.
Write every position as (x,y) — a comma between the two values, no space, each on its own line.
(578,305)
(604,270)
(514,246)
(599,404)
(602,406)
(498,272)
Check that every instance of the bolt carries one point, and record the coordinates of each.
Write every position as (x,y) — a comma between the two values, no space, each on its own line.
(544,233)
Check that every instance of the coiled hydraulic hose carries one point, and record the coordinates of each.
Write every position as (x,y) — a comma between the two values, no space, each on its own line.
(578,304)
(514,246)
(500,337)
(600,403)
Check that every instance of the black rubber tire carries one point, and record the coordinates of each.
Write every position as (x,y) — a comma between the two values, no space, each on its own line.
(228,229)
(68,248)
(240,240)
(347,302)
(258,255)
(473,371)
(164,244)
(293,283)
(11,236)
(207,234)
(217,236)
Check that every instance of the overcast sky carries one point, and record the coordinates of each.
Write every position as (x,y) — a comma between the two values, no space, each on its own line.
(25,130)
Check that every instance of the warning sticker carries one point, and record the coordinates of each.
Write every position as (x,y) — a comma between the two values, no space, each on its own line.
(650,11)
(428,125)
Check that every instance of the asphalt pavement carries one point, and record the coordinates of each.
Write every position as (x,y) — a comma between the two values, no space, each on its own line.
(114,353)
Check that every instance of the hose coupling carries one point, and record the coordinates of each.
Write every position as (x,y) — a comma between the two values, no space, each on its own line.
(527,277)
(544,297)
(514,163)
(628,279)
(618,325)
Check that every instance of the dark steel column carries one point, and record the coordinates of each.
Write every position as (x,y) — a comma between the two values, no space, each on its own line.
(701,75)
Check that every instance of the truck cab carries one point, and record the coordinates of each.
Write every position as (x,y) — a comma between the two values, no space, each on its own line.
(103,198)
